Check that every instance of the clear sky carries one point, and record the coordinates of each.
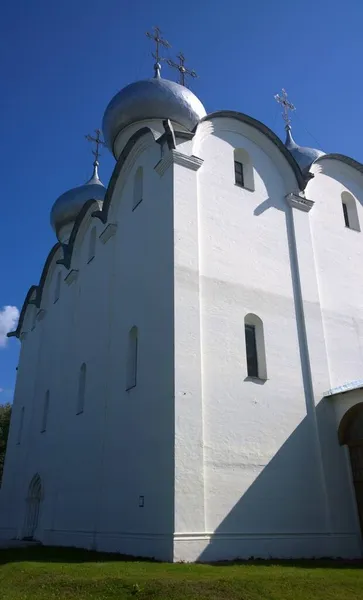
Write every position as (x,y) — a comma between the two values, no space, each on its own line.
(61,63)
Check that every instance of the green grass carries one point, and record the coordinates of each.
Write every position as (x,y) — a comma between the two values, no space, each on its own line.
(51,573)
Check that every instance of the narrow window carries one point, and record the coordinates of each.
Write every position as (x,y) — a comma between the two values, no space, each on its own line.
(21,424)
(238,173)
(57,288)
(81,389)
(255,347)
(350,211)
(34,318)
(138,188)
(132,359)
(345,212)
(92,245)
(251,351)
(45,412)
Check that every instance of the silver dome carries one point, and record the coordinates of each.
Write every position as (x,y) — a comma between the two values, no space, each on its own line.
(66,208)
(304,156)
(155,98)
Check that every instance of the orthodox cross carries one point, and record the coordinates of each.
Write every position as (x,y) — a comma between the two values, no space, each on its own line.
(181,68)
(97,140)
(159,41)
(286,106)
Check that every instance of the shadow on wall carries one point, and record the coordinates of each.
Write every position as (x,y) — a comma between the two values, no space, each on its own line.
(287,500)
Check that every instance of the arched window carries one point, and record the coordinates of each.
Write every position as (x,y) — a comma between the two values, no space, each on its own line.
(92,244)
(57,287)
(243,169)
(138,188)
(34,317)
(21,425)
(350,212)
(255,347)
(131,376)
(81,389)
(45,412)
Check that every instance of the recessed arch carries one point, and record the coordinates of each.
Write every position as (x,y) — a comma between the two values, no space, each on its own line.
(81,388)
(34,497)
(138,187)
(92,244)
(132,351)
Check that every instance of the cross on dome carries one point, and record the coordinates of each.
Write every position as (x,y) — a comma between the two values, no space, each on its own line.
(159,41)
(97,140)
(286,106)
(183,71)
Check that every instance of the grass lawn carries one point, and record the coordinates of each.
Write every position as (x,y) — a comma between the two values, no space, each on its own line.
(48,573)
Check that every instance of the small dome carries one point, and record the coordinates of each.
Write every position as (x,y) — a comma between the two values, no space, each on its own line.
(303,156)
(67,207)
(155,98)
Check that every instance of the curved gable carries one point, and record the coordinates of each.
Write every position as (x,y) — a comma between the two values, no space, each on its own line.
(302,179)
(344,159)
(103,213)
(35,292)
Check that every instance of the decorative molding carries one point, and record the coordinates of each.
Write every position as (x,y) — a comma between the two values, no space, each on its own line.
(108,232)
(178,158)
(297,201)
(72,276)
(41,314)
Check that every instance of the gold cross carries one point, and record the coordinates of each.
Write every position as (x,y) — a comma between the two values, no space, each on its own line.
(159,41)
(181,68)
(97,140)
(286,106)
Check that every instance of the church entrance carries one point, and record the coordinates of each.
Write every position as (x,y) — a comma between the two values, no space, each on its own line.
(351,434)
(33,508)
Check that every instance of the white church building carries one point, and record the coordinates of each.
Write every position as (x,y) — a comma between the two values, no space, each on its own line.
(190,383)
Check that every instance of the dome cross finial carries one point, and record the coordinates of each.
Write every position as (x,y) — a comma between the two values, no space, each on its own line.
(183,71)
(286,106)
(97,140)
(159,41)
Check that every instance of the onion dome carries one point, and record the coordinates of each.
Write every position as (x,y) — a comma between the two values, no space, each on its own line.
(303,156)
(67,207)
(154,98)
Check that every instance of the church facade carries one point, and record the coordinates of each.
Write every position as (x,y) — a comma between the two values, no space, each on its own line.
(189,384)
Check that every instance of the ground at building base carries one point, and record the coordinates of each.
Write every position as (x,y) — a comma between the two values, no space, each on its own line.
(43,573)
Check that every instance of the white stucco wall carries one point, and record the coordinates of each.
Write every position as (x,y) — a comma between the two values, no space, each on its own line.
(228,466)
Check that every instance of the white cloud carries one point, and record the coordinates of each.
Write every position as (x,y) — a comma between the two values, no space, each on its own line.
(9,316)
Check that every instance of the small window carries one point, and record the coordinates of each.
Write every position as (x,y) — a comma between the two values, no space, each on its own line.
(350,212)
(243,169)
(57,288)
(92,245)
(132,359)
(255,347)
(45,413)
(238,173)
(138,188)
(81,389)
(21,425)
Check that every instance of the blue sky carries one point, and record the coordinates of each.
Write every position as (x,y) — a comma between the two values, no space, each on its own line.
(61,63)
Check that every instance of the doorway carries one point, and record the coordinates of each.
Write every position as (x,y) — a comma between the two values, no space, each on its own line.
(351,434)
